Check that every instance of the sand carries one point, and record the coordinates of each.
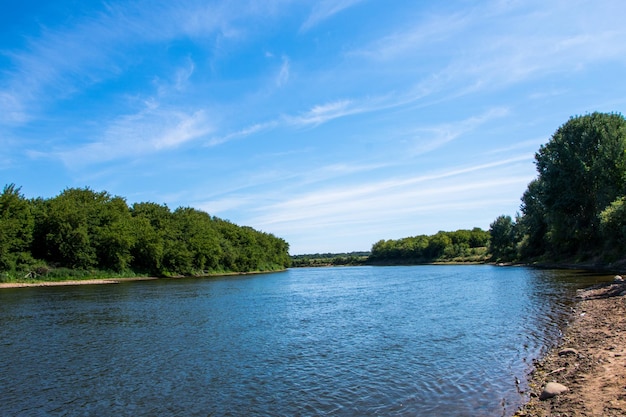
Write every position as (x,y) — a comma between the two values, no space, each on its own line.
(70,282)
(590,361)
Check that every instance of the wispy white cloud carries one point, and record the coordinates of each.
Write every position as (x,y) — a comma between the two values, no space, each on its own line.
(374,190)
(352,209)
(158,124)
(498,44)
(242,133)
(516,59)
(12,111)
(313,117)
(283,73)
(324,9)
(318,211)
(64,61)
(135,80)
(428,139)
(525,144)
(60,62)
(181,81)
(151,130)
(417,36)
(327,199)
(323,113)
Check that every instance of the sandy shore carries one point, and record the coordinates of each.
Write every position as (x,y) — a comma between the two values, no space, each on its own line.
(71,282)
(590,362)
(120,280)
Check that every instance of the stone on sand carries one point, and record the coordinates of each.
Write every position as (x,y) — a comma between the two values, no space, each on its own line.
(568,351)
(552,389)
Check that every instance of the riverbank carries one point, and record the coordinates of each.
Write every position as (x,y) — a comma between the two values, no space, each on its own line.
(590,360)
(96,281)
(73,282)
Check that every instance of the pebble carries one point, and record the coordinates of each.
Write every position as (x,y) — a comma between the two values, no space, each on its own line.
(568,351)
(552,389)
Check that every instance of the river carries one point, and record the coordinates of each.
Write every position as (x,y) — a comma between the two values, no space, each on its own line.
(349,341)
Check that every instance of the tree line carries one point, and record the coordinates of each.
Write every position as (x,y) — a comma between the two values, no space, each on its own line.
(575,210)
(461,245)
(330,259)
(82,229)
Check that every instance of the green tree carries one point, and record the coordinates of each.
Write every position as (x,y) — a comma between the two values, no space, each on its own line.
(613,227)
(479,238)
(503,239)
(582,169)
(85,229)
(437,244)
(151,227)
(113,236)
(16,228)
(200,238)
(532,224)
(69,226)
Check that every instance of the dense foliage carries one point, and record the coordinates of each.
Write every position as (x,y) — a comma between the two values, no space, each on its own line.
(461,245)
(575,208)
(82,229)
(329,259)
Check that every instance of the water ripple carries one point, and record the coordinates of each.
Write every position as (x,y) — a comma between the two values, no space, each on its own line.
(392,341)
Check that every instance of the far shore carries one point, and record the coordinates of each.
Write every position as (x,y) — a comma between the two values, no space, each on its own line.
(98,281)
(614,268)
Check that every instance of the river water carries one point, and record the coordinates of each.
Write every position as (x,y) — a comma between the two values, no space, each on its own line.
(353,341)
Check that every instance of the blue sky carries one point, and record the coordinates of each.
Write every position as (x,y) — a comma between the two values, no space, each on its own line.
(332,124)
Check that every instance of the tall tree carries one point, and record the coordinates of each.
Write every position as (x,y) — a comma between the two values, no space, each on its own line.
(532,224)
(16,228)
(582,169)
(503,239)
(87,229)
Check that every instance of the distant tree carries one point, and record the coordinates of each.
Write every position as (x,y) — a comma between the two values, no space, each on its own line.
(437,244)
(503,239)
(479,238)
(461,245)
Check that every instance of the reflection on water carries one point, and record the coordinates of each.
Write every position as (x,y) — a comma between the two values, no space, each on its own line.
(424,340)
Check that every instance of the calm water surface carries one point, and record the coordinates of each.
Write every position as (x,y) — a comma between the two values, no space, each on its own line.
(357,341)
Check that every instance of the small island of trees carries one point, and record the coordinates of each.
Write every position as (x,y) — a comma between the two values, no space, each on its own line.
(82,233)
